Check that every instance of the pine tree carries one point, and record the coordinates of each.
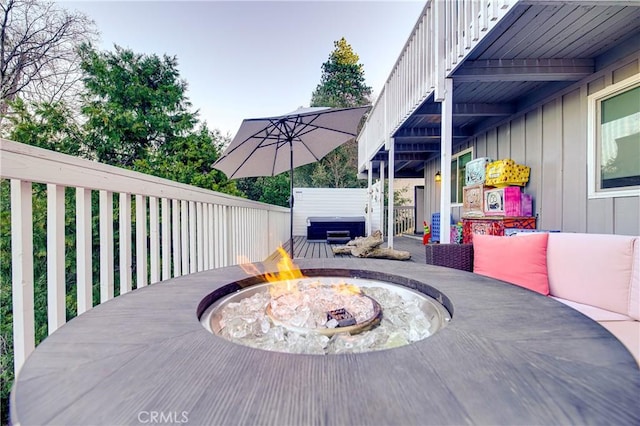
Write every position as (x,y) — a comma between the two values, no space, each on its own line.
(342,85)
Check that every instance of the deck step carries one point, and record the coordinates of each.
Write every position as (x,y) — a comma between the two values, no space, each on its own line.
(338,237)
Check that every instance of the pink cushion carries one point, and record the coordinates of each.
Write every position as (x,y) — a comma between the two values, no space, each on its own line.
(593,269)
(628,332)
(595,313)
(520,261)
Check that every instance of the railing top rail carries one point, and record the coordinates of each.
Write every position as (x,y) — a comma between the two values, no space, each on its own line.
(33,164)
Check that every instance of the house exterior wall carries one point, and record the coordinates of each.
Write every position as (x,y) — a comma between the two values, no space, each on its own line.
(551,138)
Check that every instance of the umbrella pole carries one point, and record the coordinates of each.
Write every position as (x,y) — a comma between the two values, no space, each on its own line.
(291,197)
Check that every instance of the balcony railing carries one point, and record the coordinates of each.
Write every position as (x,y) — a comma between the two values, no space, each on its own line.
(443,36)
(403,220)
(164,229)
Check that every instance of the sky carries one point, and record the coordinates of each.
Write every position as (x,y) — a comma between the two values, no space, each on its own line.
(251,59)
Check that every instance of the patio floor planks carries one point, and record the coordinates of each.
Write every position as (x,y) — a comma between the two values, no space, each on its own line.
(320,249)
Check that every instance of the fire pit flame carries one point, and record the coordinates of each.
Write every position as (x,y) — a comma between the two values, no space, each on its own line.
(317,306)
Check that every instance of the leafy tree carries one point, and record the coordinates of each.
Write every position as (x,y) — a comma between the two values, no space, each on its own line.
(342,85)
(268,189)
(188,160)
(134,104)
(46,125)
(38,59)
(137,116)
(49,126)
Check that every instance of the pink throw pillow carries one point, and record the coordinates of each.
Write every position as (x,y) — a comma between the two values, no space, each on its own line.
(518,260)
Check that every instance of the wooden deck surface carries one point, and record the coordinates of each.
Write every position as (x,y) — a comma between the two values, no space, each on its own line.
(320,249)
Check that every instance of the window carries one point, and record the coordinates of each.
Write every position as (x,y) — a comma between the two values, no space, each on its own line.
(614,140)
(458,167)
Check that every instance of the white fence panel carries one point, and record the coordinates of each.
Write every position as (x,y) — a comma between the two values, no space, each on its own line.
(188,227)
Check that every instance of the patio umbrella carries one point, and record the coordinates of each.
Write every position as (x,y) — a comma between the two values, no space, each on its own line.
(272,145)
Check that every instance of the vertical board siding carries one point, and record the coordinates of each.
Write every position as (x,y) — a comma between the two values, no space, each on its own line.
(533,158)
(574,165)
(518,141)
(552,176)
(627,216)
(551,138)
(481,146)
(625,71)
(600,216)
(504,141)
(492,144)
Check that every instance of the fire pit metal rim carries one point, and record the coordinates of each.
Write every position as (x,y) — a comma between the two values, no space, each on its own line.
(436,303)
(420,286)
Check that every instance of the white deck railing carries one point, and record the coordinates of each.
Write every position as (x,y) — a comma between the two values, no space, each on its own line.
(445,33)
(403,220)
(187,229)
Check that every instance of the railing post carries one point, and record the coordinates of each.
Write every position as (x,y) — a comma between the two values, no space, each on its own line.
(106,246)
(22,272)
(141,241)
(56,310)
(193,254)
(369,198)
(125,242)
(390,206)
(154,237)
(445,162)
(199,238)
(184,232)
(84,260)
(175,236)
(165,238)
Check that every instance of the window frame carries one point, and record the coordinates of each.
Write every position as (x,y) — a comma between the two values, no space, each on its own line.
(593,140)
(455,157)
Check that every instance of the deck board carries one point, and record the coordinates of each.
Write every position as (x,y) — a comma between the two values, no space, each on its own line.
(305,249)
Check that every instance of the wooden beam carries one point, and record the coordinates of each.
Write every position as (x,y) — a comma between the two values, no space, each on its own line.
(427,133)
(417,147)
(493,70)
(468,110)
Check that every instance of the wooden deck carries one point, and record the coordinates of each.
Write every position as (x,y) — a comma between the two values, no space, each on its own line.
(319,249)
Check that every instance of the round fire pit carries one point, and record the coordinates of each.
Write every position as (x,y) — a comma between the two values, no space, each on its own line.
(324,314)
(508,356)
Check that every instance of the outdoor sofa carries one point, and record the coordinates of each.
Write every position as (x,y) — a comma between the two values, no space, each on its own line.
(596,274)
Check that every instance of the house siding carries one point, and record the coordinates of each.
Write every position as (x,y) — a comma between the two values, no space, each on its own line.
(551,138)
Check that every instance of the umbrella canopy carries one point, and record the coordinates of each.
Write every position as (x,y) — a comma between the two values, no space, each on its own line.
(263,146)
(272,145)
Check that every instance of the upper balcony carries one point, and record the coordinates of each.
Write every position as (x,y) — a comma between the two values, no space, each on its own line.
(502,56)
